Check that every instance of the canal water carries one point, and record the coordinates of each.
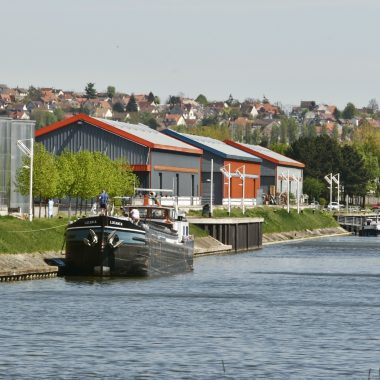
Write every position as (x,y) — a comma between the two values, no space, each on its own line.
(301,310)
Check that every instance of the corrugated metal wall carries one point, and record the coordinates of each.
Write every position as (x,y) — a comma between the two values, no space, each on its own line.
(11,160)
(177,171)
(83,136)
(217,179)
(282,185)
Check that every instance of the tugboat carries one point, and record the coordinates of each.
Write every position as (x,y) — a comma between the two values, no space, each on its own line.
(149,239)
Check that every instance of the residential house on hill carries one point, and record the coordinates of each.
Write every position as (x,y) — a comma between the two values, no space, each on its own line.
(174,120)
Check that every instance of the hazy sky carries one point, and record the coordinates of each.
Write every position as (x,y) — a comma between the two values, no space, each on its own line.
(287,50)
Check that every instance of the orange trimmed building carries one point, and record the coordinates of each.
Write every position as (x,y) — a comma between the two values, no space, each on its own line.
(275,169)
(160,161)
(235,174)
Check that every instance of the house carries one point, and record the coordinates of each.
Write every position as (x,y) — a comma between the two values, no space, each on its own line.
(235,174)
(19,115)
(308,104)
(159,161)
(267,110)
(174,119)
(275,169)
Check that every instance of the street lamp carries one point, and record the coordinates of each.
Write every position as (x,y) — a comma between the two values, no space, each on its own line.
(29,152)
(211,180)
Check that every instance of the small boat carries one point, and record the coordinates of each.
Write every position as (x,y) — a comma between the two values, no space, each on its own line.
(155,243)
(371,226)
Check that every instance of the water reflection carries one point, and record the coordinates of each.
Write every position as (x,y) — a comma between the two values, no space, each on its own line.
(301,310)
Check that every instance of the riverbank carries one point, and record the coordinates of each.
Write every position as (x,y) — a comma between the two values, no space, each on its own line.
(43,239)
(281,237)
(28,266)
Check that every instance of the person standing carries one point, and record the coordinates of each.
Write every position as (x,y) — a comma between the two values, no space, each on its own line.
(50,208)
(103,200)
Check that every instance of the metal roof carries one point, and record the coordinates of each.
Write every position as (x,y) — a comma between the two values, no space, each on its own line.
(146,133)
(137,133)
(266,153)
(217,147)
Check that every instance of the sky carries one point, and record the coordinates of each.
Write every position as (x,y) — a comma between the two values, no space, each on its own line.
(285,50)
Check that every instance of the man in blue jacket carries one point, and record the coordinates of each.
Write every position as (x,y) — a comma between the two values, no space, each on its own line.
(103,200)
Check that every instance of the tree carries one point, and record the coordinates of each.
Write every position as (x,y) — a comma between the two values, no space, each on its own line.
(173,100)
(313,187)
(59,114)
(90,91)
(201,99)
(151,97)
(349,111)
(279,148)
(144,118)
(119,107)
(132,104)
(321,155)
(43,118)
(45,174)
(354,174)
(275,134)
(373,105)
(366,141)
(111,91)
(34,94)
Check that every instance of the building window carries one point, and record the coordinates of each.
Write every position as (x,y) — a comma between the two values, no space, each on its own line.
(177,180)
(160,179)
(192,185)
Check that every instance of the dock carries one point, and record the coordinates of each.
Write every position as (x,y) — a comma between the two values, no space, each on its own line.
(241,234)
(362,225)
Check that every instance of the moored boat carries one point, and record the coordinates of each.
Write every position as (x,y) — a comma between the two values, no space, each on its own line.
(155,243)
(371,226)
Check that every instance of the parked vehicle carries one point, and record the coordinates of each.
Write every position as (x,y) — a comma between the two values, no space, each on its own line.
(334,206)
(314,204)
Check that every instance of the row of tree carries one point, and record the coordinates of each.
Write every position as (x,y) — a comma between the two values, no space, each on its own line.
(81,176)
(357,162)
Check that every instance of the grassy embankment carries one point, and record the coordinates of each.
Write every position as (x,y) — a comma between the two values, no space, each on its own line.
(277,219)
(42,235)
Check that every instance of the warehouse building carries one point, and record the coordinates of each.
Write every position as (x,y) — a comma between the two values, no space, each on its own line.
(229,176)
(278,172)
(160,161)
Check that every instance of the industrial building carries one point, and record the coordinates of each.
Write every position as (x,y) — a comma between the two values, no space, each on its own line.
(229,176)
(278,172)
(160,161)
(12,131)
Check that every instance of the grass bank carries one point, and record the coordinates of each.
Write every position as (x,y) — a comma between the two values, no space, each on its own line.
(43,235)
(279,220)
(40,235)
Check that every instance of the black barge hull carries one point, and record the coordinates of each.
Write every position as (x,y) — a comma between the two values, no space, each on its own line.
(107,246)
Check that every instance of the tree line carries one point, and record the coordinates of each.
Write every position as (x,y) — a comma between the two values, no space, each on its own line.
(356,161)
(79,176)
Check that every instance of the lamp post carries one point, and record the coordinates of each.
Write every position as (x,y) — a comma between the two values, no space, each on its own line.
(211,186)
(29,152)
